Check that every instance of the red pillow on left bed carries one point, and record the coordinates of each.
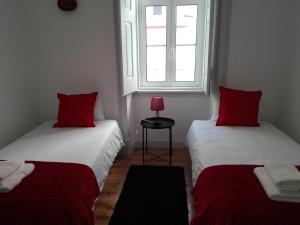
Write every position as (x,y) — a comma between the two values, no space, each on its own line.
(76,110)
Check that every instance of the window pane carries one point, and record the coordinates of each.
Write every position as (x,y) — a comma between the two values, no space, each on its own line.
(186,20)
(156,63)
(156,21)
(185,63)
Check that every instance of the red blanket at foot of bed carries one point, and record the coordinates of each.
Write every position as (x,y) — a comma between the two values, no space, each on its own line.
(232,195)
(54,194)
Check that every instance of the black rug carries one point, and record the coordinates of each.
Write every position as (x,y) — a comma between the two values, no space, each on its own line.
(152,195)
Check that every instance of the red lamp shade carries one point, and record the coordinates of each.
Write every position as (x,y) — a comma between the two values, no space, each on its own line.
(157,103)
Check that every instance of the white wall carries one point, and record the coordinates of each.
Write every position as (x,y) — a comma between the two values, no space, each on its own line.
(259,52)
(74,52)
(17,100)
(289,114)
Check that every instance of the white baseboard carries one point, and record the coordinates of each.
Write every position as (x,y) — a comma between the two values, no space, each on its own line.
(161,144)
(130,145)
(128,148)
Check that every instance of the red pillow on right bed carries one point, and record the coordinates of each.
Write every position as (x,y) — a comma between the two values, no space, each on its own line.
(238,108)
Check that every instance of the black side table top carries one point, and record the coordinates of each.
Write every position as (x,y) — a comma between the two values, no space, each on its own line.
(163,123)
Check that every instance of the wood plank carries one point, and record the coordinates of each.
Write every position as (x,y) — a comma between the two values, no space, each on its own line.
(114,182)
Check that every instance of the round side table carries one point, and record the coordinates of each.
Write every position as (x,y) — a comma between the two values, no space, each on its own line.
(157,123)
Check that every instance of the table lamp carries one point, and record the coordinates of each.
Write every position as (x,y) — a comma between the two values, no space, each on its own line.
(157,104)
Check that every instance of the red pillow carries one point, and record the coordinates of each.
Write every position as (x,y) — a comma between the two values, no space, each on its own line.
(76,110)
(238,108)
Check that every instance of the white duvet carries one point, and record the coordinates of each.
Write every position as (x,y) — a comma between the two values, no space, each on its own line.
(95,147)
(211,145)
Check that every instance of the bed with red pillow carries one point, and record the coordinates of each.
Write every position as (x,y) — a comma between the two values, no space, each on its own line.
(77,136)
(72,155)
(224,153)
(55,193)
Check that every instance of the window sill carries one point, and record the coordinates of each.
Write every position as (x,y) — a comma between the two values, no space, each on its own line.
(141,90)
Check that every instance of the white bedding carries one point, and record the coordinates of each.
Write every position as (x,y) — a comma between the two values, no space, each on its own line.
(95,147)
(211,145)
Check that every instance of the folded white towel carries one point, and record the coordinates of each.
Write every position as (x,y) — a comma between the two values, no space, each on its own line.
(272,191)
(284,175)
(12,181)
(7,168)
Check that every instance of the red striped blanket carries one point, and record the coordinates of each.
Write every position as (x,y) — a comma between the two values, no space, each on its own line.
(232,195)
(54,194)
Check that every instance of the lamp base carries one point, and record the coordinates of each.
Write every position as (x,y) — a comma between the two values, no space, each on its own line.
(157,121)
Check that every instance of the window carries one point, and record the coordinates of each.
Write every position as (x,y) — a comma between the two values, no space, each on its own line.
(167,44)
(173,44)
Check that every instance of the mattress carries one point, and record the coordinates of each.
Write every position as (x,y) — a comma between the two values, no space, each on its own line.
(211,145)
(95,147)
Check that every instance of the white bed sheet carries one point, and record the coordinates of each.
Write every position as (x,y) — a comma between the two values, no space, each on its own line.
(95,147)
(211,145)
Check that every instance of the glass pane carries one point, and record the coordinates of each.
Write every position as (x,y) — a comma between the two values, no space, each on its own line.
(156,25)
(185,63)
(186,20)
(156,63)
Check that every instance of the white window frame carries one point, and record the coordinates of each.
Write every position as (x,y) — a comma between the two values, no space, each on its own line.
(202,46)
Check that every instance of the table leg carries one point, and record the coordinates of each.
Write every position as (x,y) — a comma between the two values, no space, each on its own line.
(171,150)
(143,147)
(146,140)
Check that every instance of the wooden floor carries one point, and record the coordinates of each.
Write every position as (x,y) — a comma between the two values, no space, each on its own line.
(114,182)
